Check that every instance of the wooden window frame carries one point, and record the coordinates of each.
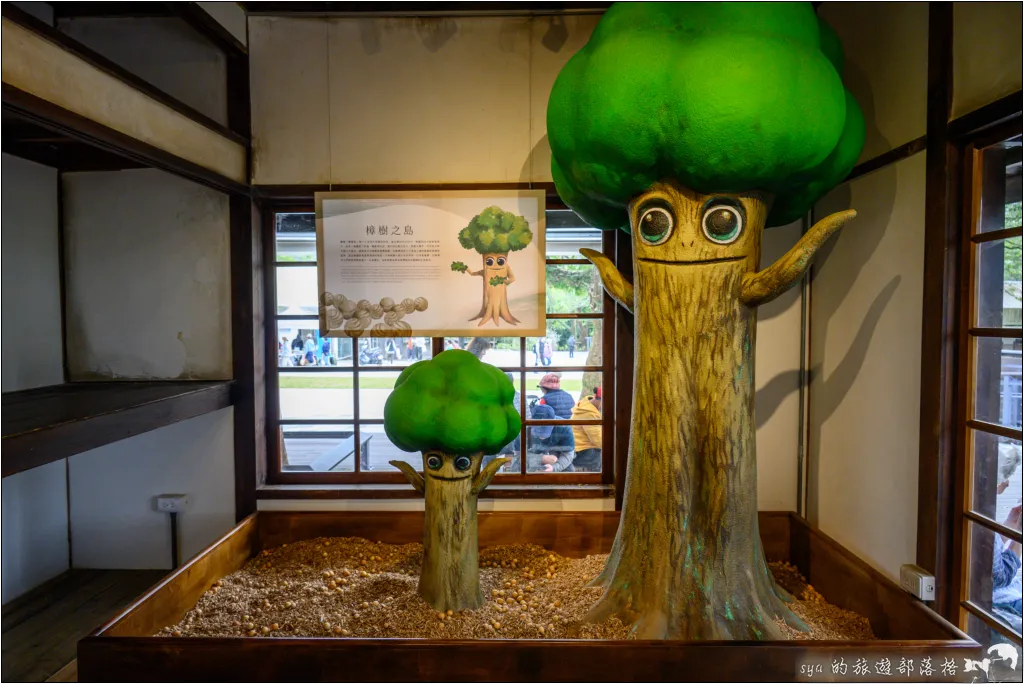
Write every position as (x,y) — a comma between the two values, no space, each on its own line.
(280,484)
(970,148)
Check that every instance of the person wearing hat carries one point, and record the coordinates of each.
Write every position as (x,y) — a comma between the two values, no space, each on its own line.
(554,396)
(587,438)
(554,443)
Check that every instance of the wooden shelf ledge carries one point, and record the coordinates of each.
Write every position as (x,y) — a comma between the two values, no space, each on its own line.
(404,491)
(50,423)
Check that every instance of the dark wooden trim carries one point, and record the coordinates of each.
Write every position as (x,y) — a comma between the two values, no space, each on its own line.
(575,316)
(124,649)
(608,379)
(78,127)
(247,348)
(208,27)
(306,192)
(434,9)
(851,583)
(94,59)
(1009,333)
(992,114)
(581,262)
(624,348)
(992,235)
(50,423)
(994,624)
(894,155)
(403,491)
(994,429)
(994,526)
(937,429)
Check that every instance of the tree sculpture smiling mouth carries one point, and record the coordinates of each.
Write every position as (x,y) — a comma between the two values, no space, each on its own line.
(670,262)
(448,479)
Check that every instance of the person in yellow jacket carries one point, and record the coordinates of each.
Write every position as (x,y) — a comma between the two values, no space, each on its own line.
(587,437)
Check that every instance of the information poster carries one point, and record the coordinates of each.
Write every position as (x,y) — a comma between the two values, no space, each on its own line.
(431,264)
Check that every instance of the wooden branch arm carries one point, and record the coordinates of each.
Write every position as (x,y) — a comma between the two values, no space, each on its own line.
(764,286)
(487,474)
(414,478)
(615,283)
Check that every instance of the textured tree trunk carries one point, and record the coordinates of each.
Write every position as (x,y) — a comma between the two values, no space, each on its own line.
(495,300)
(687,561)
(449,578)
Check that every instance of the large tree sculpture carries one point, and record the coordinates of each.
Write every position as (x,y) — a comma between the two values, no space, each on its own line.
(694,126)
(454,409)
(494,233)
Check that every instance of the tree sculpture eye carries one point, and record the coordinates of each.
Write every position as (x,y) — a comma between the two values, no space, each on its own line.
(489,261)
(501,261)
(434,462)
(722,221)
(462,463)
(656,225)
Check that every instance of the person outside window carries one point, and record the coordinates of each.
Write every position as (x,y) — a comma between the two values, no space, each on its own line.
(390,351)
(309,349)
(325,351)
(572,346)
(297,347)
(284,354)
(418,348)
(554,443)
(560,401)
(546,353)
(587,438)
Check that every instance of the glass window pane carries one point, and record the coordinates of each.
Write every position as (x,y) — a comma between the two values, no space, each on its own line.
(292,349)
(379,451)
(999,284)
(997,478)
(509,451)
(502,352)
(317,448)
(295,237)
(563,392)
(1001,189)
(296,291)
(570,342)
(565,448)
(316,395)
(374,389)
(566,233)
(393,351)
(1001,666)
(573,288)
(994,577)
(997,381)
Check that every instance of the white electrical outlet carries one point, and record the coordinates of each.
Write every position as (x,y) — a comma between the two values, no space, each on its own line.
(918,582)
(171,503)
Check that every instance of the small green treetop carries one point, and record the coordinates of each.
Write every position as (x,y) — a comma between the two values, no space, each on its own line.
(453,403)
(719,96)
(494,231)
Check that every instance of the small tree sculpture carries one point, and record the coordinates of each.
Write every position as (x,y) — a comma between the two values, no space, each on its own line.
(454,409)
(693,126)
(494,233)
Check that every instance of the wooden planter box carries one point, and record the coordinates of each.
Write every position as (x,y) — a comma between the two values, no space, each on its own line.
(123,650)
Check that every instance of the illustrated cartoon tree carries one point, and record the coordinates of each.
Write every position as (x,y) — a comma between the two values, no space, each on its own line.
(453,409)
(494,233)
(693,126)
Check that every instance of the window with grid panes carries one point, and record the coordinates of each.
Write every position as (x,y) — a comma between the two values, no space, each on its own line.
(326,399)
(989,436)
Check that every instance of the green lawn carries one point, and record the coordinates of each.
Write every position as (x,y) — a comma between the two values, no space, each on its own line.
(318,381)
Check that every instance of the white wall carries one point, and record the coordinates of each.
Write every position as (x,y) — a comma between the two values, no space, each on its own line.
(113,520)
(886,49)
(405,100)
(147,277)
(986,53)
(866,305)
(35,528)
(231,16)
(164,51)
(32,345)
(777,402)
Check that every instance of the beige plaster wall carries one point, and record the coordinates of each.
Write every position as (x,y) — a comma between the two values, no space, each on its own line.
(986,53)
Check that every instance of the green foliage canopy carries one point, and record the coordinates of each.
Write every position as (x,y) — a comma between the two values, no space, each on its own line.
(721,97)
(494,231)
(454,403)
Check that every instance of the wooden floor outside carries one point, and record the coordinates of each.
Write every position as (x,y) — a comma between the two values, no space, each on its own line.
(41,629)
